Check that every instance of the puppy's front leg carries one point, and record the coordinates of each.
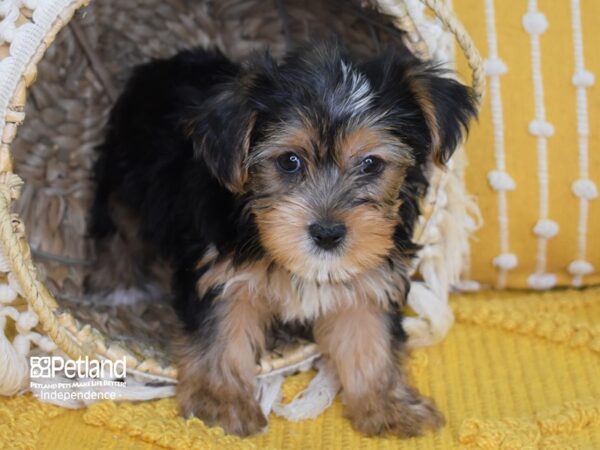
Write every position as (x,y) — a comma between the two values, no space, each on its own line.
(359,342)
(216,365)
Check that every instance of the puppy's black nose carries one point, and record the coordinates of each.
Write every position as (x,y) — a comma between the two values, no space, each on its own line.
(327,235)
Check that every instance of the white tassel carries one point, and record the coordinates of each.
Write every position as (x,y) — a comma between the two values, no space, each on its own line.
(269,391)
(315,399)
(434,319)
(14,370)
(4,264)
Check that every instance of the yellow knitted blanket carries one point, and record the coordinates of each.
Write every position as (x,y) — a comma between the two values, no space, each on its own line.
(518,371)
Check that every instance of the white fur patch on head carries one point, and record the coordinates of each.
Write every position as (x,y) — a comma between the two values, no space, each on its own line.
(354,92)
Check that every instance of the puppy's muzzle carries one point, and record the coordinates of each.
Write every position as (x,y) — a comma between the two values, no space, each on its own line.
(327,235)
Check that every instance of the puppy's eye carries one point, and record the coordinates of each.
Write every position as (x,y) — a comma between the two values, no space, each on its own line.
(289,163)
(371,165)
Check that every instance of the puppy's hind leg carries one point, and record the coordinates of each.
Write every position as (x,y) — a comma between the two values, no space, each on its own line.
(125,270)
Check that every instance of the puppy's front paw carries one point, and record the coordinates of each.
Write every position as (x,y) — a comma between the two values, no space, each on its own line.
(236,412)
(403,413)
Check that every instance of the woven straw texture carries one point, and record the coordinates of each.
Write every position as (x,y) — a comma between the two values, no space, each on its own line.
(518,371)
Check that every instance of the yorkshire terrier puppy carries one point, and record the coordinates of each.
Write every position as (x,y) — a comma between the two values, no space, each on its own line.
(278,192)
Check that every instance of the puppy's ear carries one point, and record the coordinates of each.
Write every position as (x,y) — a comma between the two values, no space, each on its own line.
(221,128)
(447,106)
(435,110)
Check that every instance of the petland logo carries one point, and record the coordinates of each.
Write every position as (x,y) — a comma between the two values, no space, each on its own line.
(76,382)
(50,367)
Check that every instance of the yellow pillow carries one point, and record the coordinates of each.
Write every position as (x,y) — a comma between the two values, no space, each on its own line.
(540,121)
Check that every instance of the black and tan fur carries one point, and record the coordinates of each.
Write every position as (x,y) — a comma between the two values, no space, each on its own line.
(280,192)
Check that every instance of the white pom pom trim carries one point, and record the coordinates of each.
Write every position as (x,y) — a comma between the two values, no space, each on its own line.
(501,181)
(31,4)
(580,267)
(7,294)
(535,22)
(7,31)
(542,281)
(506,261)
(495,67)
(546,228)
(26,321)
(583,78)
(46,344)
(585,189)
(468,286)
(4,9)
(541,128)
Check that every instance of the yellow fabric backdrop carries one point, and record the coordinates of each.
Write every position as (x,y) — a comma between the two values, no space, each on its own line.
(558,67)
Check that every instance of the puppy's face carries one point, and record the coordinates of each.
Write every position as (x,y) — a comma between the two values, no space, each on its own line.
(326,200)
(324,147)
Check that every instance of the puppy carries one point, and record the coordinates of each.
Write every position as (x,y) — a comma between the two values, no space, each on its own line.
(278,192)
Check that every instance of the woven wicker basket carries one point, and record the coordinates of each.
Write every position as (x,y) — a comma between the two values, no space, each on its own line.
(41,306)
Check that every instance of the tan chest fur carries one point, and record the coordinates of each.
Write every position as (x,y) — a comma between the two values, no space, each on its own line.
(294,298)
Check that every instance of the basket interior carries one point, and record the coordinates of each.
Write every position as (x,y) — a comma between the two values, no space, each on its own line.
(79,79)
